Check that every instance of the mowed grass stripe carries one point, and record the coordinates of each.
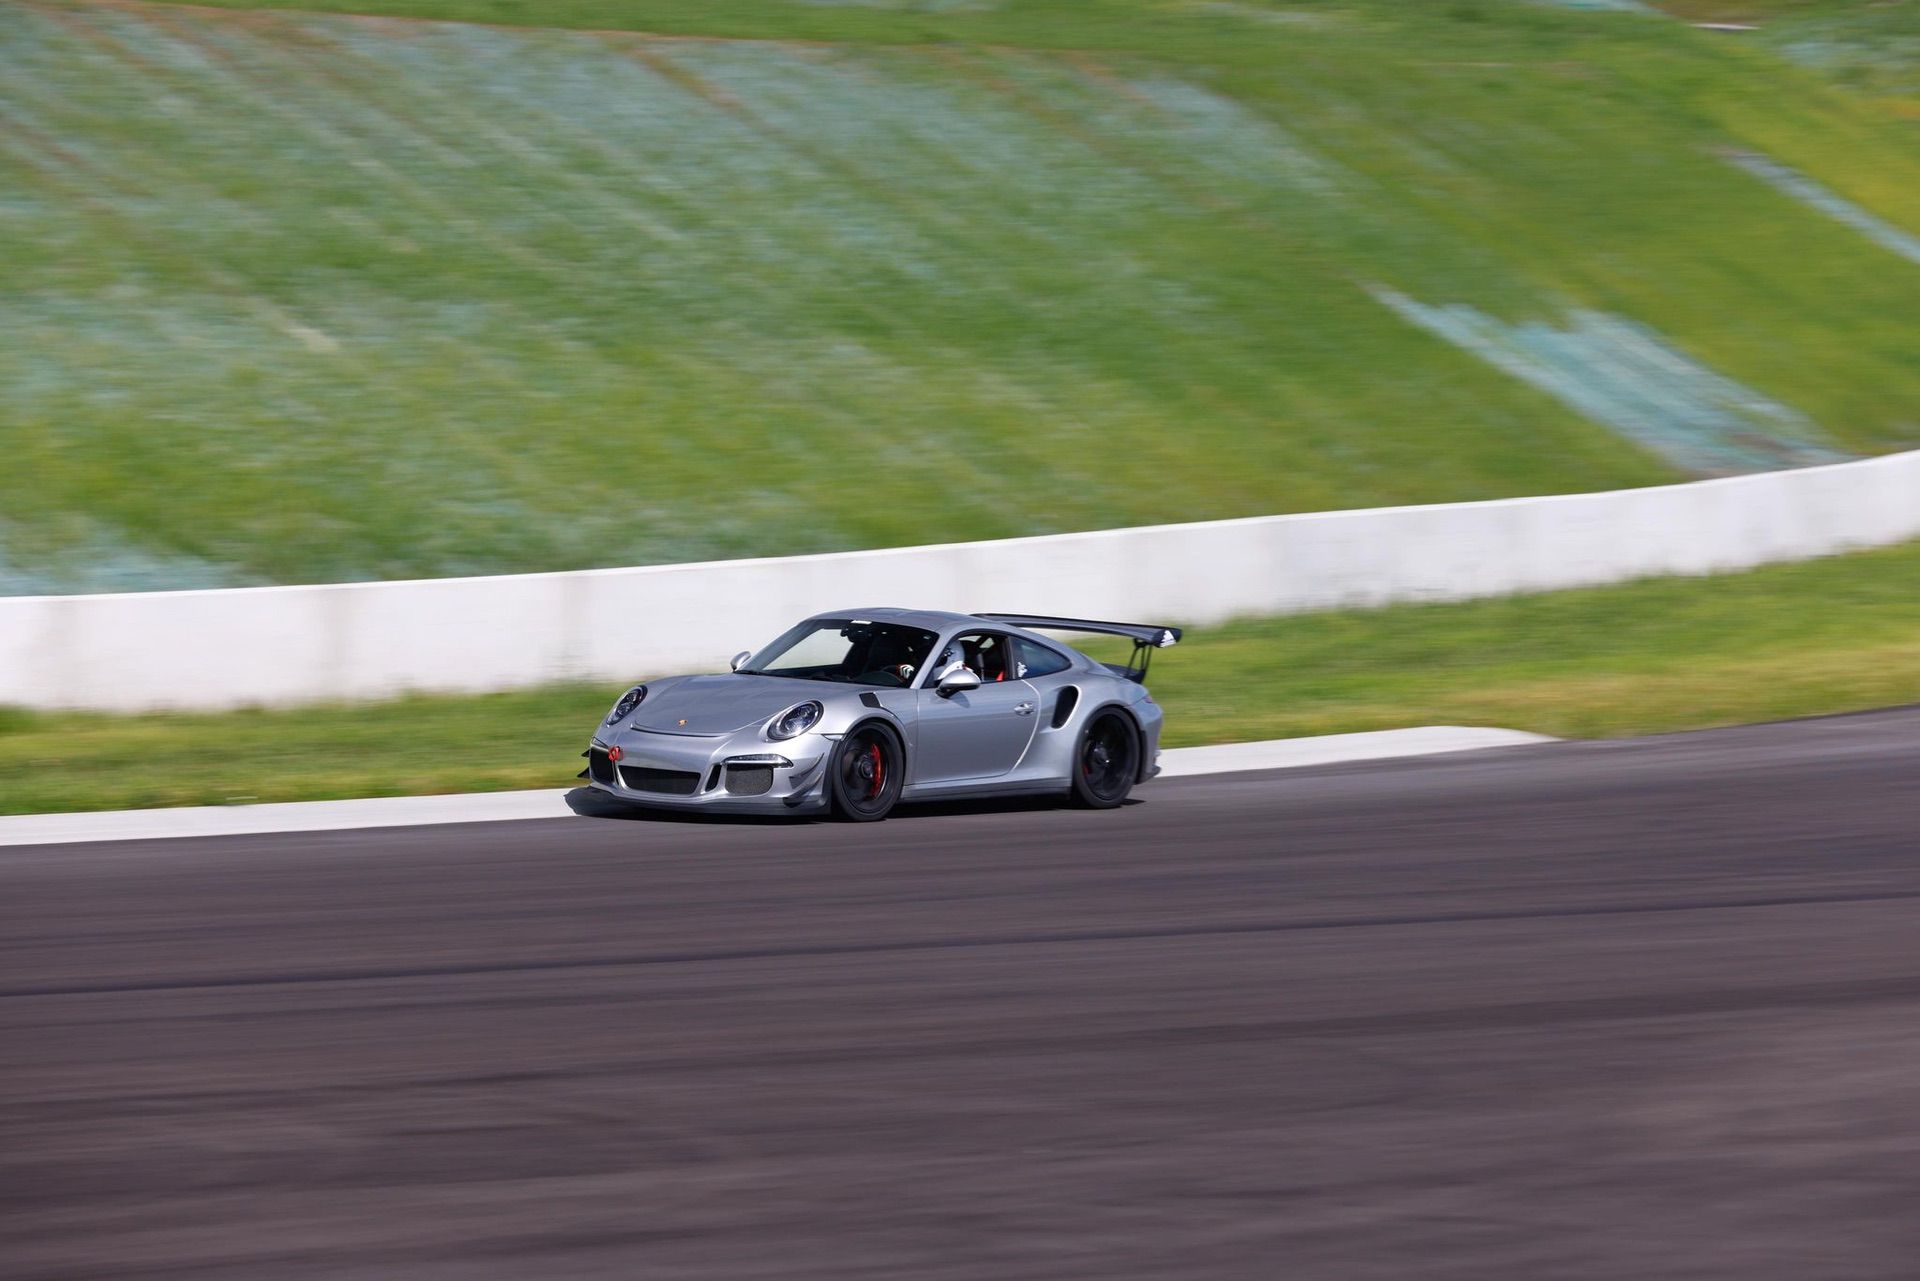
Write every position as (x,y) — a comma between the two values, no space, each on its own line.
(383,298)
(861,413)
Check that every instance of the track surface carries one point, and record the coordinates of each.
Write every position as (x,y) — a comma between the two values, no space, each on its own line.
(1638,1009)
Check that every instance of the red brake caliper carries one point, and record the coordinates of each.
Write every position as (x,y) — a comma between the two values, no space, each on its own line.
(879,770)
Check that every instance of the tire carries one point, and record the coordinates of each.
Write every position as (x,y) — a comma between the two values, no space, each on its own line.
(1106,760)
(866,774)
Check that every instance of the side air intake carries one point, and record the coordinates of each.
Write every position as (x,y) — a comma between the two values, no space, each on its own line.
(1063,710)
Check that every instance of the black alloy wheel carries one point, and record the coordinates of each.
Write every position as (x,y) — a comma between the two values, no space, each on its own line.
(1107,762)
(867,774)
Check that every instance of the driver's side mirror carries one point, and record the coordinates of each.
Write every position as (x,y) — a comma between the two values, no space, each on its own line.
(739,660)
(957,678)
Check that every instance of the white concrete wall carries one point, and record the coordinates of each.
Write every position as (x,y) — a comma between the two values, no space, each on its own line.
(284,645)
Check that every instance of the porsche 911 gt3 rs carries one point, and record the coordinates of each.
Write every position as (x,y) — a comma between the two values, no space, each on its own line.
(853,711)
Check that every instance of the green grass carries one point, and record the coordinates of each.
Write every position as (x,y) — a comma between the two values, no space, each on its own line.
(293,297)
(1833,635)
(1870,46)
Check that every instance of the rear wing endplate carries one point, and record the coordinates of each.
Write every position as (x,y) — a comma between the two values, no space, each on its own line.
(1146,637)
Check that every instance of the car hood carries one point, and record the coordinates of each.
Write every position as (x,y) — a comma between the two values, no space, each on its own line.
(719,704)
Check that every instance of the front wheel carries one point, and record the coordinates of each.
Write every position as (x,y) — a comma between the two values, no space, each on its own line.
(867,773)
(1106,762)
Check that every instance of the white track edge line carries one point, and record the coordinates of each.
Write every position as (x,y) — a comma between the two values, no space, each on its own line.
(494,807)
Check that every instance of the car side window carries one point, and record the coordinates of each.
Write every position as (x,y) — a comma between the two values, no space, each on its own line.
(1032,659)
(988,654)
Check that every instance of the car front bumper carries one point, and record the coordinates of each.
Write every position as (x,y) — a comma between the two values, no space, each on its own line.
(729,774)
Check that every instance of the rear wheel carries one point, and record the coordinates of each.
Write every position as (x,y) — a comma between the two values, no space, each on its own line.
(867,773)
(1106,762)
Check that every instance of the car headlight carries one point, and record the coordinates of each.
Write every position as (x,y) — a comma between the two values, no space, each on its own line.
(797,719)
(628,701)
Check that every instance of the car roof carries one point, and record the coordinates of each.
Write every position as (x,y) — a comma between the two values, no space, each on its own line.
(933,620)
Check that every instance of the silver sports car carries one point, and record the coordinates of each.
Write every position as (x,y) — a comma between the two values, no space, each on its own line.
(853,711)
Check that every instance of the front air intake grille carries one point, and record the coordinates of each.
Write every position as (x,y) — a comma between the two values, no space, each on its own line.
(599,766)
(669,782)
(749,780)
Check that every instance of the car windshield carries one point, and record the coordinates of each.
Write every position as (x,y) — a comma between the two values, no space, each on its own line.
(850,650)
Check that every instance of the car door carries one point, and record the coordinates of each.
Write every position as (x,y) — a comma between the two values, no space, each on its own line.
(979,733)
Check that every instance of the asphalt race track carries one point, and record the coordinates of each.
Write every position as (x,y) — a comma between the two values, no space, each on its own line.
(1640,1009)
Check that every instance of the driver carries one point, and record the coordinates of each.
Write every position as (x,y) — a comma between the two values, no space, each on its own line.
(984,656)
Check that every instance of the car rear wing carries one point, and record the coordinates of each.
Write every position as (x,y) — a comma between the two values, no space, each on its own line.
(1146,637)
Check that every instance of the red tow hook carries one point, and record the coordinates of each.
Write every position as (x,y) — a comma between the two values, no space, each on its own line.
(615,754)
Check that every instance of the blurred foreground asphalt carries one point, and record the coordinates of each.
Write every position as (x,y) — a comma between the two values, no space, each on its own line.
(1637,1009)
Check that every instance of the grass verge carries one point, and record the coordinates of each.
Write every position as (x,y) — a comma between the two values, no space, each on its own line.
(1834,635)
